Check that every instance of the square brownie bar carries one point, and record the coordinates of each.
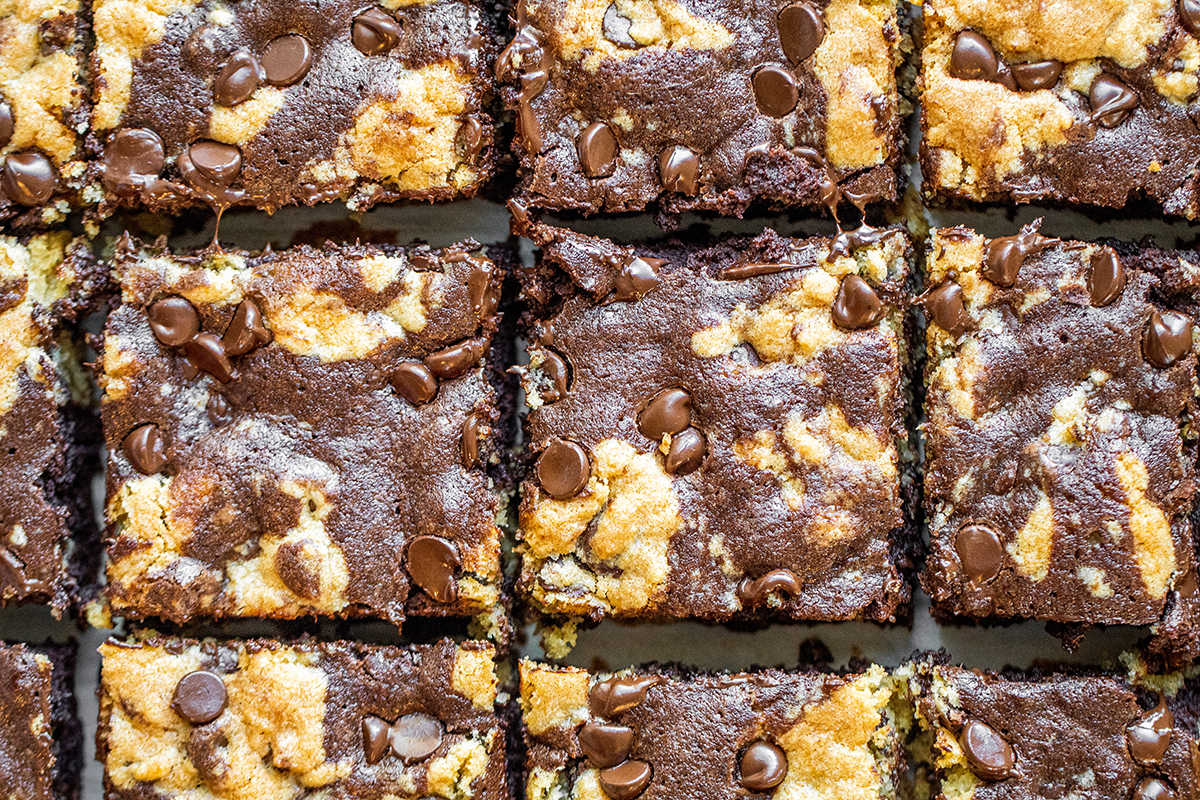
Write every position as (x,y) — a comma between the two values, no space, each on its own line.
(1058,437)
(662,734)
(49,432)
(41,741)
(1047,734)
(43,110)
(1075,102)
(716,429)
(265,720)
(278,102)
(300,433)
(705,104)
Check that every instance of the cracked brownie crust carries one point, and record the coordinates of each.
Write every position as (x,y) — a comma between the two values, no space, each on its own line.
(41,742)
(263,720)
(715,429)
(302,433)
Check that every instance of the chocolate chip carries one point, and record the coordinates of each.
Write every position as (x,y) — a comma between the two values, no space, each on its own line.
(455,360)
(470,441)
(291,565)
(205,749)
(973,58)
(1189,16)
(286,60)
(597,147)
(414,382)
(145,449)
(754,592)
(479,288)
(638,276)
(605,745)
(946,307)
(432,562)
(8,123)
(563,469)
(669,411)
(1168,338)
(29,178)
(1149,737)
(246,330)
(208,354)
(1111,101)
(614,696)
(220,410)
(801,31)
(1153,789)
(775,91)
(625,781)
(686,453)
(237,80)
(1036,75)
(375,738)
(554,368)
(469,139)
(415,736)
(980,552)
(218,163)
(174,321)
(199,697)
(131,156)
(764,766)
(988,754)
(1188,585)
(616,28)
(1107,278)
(856,305)
(374,32)
(1005,255)
(679,169)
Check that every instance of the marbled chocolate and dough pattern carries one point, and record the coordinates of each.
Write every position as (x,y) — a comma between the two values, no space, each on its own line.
(261,720)
(287,101)
(715,429)
(35,762)
(1059,464)
(1032,101)
(263,459)
(704,104)
(662,736)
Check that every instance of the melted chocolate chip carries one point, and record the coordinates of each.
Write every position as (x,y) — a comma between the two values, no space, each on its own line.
(980,552)
(205,747)
(1189,16)
(217,163)
(479,288)
(131,157)
(679,170)
(286,60)
(1036,75)
(1188,585)
(973,58)
(775,91)
(469,139)
(1004,256)
(208,354)
(563,469)
(686,453)
(455,360)
(199,697)
(1111,101)
(598,149)
(605,745)
(220,410)
(754,592)
(625,781)
(145,449)
(764,766)
(246,330)
(8,123)
(292,568)
(988,754)
(669,411)
(414,382)
(946,307)
(29,178)
(470,441)
(375,32)
(1149,737)
(174,321)
(415,737)
(432,562)
(1167,339)
(638,276)
(375,738)
(1153,789)
(616,28)
(237,80)
(801,31)
(614,696)
(1107,278)
(555,368)
(856,305)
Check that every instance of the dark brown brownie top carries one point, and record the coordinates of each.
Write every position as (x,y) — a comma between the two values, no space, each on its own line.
(658,736)
(714,428)
(26,742)
(1090,103)
(276,102)
(302,432)
(270,721)
(703,103)
(1056,736)
(1059,457)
